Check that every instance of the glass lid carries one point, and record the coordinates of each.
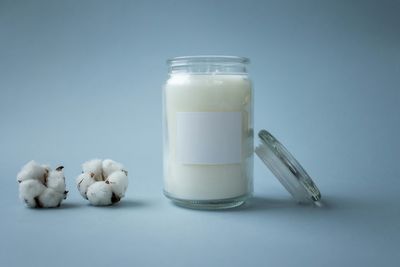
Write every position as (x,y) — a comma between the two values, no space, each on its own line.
(287,169)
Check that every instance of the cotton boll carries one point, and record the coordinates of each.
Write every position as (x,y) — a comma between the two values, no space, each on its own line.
(119,182)
(94,166)
(110,166)
(56,180)
(105,189)
(50,198)
(29,190)
(41,187)
(83,182)
(33,170)
(99,194)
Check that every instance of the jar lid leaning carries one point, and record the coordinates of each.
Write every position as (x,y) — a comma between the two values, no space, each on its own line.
(286,169)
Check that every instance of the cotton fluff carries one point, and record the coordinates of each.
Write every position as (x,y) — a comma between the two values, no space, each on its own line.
(95,168)
(100,194)
(102,182)
(40,186)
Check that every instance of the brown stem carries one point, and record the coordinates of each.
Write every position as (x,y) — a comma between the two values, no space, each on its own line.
(59,168)
(38,203)
(115,198)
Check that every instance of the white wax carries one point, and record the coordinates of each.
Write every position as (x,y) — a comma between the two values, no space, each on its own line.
(208,93)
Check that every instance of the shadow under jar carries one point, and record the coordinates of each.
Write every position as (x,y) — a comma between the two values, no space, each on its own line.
(208,132)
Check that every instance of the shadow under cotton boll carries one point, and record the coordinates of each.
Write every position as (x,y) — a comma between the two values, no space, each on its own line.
(128,204)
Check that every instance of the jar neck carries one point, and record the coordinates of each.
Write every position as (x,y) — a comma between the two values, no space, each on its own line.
(208,65)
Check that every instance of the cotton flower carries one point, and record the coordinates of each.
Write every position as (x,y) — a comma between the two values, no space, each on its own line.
(102,182)
(40,186)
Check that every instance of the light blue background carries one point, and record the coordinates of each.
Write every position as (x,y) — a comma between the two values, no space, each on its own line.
(82,79)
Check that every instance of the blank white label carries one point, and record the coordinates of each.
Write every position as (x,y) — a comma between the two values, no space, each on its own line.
(209,137)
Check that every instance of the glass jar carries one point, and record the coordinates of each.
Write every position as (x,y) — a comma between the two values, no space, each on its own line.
(208,132)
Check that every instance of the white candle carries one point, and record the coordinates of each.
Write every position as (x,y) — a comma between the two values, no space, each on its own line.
(208,153)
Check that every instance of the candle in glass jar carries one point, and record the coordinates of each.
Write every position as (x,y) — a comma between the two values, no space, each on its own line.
(208,144)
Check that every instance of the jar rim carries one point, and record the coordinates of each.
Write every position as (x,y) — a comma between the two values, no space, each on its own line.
(201,59)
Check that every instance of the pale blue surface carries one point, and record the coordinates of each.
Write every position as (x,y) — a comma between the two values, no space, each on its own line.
(82,79)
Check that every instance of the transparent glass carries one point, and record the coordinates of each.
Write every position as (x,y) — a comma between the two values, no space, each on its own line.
(208,132)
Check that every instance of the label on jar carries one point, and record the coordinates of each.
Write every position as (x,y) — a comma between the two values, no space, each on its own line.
(209,137)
